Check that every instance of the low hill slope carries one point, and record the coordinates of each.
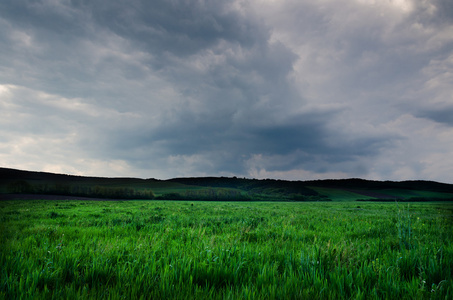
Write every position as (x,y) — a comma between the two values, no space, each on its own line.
(14,181)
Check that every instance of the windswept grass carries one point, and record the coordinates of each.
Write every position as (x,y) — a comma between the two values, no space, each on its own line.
(225,250)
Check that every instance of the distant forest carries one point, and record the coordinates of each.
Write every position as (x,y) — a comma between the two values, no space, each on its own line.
(96,191)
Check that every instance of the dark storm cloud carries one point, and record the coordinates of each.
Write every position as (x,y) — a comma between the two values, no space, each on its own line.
(444,115)
(232,117)
(444,11)
(186,88)
(179,27)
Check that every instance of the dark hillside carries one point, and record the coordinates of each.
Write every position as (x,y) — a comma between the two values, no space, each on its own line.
(28,182)
(12,174)
(357,183)
(283,186)
(220,188)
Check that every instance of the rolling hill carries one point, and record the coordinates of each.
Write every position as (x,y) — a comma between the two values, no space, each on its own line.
(28,184)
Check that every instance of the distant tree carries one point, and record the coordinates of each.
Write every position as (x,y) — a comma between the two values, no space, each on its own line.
(20,187)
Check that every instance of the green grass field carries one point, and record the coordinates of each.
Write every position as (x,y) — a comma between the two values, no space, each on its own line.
(225,250)
(338,194)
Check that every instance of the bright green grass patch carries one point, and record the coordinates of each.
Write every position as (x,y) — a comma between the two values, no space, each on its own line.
(225,250)
(338,194)
(401,193)
(345,195)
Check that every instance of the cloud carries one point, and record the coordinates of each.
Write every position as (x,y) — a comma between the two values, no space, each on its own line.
(440,116)
(291,89)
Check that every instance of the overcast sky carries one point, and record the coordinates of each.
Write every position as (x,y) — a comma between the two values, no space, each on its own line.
(289,89)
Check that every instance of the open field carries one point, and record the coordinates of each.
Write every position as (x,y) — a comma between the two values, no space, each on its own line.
(225,250)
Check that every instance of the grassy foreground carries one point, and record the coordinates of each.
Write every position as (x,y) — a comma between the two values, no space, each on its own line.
(225,250)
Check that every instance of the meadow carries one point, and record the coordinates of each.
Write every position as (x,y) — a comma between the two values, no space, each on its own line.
(225,250)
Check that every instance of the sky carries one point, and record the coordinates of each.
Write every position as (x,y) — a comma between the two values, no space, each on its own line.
(284,89)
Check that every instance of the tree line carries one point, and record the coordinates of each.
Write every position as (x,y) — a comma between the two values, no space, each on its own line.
(210,194)
(97,191)
(119,192)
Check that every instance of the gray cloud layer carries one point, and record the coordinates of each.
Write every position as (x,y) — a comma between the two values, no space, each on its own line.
(286,89)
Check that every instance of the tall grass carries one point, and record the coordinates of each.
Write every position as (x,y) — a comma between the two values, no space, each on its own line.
(155,250)
(404,228)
